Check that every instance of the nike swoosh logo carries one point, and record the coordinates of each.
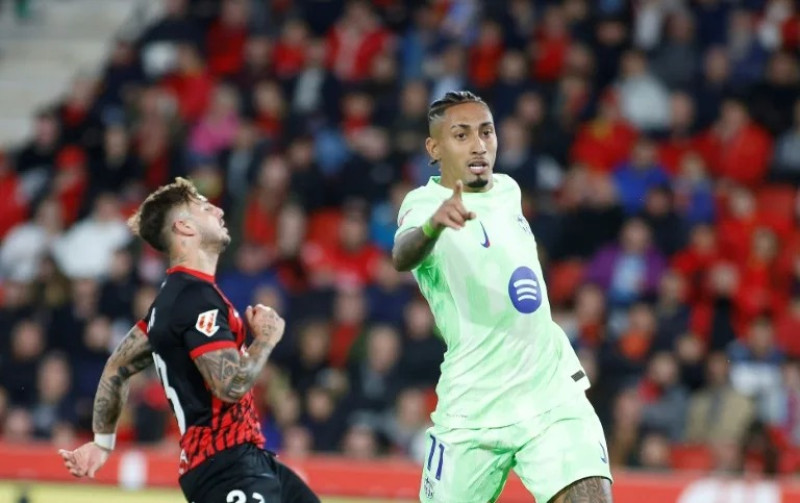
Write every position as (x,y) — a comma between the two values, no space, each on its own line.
(486,242)
(604,457)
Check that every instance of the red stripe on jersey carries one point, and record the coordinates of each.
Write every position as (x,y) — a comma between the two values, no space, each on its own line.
(191,272)
(227,439)
(232,424)
(141,325)
(217,406)
(211,346)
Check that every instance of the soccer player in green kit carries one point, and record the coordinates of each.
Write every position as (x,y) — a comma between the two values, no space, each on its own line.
(512,391)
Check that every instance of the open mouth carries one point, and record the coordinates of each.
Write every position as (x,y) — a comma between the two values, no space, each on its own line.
(478,167)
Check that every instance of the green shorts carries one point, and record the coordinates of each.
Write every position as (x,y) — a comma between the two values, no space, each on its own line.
(548,452)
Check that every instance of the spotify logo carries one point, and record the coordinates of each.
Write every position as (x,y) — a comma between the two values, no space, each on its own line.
(524,290)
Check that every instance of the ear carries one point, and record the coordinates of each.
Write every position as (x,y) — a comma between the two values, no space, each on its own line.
(184,226)
(432,146)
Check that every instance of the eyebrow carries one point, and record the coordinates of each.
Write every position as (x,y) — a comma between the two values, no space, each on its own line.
(467,126)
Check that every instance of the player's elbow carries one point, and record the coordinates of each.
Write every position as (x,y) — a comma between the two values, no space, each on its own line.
(399,264)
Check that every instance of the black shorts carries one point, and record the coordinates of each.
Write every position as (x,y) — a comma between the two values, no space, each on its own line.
(244,474)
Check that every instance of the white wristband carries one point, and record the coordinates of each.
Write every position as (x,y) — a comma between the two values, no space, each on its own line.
(105,440)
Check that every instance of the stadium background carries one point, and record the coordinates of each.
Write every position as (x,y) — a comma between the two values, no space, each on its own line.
(657,143)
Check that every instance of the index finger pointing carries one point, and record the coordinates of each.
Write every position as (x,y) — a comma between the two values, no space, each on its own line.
(459,188)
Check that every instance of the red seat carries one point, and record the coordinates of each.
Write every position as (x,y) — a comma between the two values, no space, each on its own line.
(323,228)
(776,200)
(430,400)
(789,460)
(691,457)
(563,281)
(776,208)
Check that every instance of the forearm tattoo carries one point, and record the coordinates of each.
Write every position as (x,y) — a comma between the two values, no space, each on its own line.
(411,248)
(230,374)
(588,490)
(131,357)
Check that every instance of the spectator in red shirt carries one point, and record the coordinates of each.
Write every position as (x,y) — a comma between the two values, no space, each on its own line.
(190,85)
(270,108)
(485,55)
(353,260)
(737,224)
(357,110)
(605,141)
(348,324)
(289,57)
(227,37)
(13,203)
(550,45)
(71,181)
(787,327)
(75,113)
(355,41)
(761,289)
(265,201)
(695,262)
(736,148)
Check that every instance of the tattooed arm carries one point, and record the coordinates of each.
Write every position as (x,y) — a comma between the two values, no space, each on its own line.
(588,490)
(411,247)
(230,374)
(131,357)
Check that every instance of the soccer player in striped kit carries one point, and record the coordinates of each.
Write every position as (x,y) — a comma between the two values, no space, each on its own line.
(199,345)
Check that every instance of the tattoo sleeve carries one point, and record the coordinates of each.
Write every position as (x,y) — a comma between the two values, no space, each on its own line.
(588,490)
(129,358)
(411,248)
(230,374)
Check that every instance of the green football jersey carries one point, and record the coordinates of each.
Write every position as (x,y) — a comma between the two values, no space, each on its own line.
(506,359)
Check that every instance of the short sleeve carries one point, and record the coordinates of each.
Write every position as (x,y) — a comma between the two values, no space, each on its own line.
(202,320)
(415,210)
(144,323)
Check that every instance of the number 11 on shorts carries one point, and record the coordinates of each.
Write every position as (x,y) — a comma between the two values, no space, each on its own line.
(434,444)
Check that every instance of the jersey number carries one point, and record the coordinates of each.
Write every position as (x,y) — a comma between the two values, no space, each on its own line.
(238,496)
(172,395)
(431,455)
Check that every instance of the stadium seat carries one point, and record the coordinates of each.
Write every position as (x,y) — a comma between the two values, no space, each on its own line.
(691,457)
(565,277)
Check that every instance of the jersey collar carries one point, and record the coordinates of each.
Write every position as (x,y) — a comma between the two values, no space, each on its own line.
(191,272)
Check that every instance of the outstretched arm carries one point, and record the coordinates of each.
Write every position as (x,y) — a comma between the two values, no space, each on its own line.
(413,246)
(131,357)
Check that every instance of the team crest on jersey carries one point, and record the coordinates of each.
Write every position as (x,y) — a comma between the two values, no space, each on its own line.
(207,322)
(428,487)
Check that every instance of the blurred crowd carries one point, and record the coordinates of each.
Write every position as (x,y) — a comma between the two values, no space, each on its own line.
(657,143)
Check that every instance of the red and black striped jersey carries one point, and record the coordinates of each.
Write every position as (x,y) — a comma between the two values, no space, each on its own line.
(189,317)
